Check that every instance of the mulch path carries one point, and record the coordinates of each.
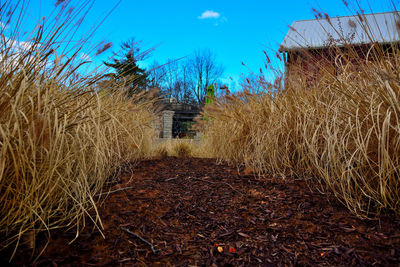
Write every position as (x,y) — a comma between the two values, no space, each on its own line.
(194,212)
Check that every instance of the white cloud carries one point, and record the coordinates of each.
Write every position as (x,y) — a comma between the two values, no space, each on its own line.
(10,58)
(85,56)
(25,45)
(220,21)
(3,26)
(209,14)
(19,46)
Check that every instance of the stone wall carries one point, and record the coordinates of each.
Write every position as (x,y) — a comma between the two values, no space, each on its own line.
(167,120)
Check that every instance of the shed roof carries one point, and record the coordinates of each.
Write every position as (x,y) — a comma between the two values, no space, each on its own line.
(358,29)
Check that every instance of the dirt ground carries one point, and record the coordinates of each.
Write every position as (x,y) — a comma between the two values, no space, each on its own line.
(194,212)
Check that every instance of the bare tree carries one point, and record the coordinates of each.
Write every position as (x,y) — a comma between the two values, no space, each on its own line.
(171,76)
(186,81)
(156,75)
(203,70)
(185,92)
(177,85)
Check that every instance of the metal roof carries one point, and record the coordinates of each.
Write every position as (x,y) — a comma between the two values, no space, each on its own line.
(358,29)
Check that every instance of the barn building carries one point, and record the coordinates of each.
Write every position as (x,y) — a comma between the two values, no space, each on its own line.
(310,46)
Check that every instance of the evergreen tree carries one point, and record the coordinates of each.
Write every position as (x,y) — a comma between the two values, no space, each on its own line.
(127,71)
(210,95)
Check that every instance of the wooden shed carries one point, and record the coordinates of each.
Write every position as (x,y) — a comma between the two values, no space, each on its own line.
(311,46)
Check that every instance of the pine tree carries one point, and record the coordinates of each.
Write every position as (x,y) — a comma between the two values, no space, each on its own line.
(127,71)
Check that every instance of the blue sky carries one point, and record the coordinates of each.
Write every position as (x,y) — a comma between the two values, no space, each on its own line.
(235,31)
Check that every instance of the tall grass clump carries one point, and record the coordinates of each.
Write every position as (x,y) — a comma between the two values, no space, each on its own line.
(340,128)
(181,148)
(60,139)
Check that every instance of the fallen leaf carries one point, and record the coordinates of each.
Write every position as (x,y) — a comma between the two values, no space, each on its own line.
(255,193)
(248,171)
(220,249)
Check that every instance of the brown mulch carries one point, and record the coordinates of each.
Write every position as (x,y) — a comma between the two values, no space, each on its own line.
(194,212)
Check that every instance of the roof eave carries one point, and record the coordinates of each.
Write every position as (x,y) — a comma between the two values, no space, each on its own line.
(283,49)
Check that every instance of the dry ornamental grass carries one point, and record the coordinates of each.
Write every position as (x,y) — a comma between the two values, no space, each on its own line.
(341,129)
(60,138)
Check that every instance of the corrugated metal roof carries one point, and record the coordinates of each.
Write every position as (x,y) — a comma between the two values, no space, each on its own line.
(319,33)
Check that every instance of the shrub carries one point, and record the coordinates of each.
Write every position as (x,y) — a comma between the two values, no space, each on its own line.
(161,152)
(182,149)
